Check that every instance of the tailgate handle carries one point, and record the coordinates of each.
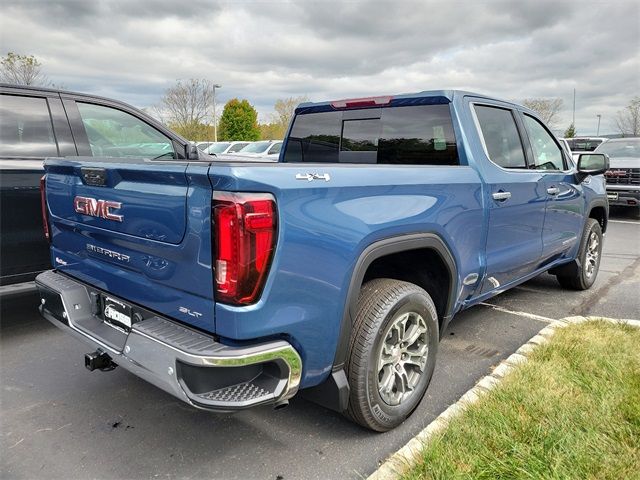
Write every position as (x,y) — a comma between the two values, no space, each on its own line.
(96,177)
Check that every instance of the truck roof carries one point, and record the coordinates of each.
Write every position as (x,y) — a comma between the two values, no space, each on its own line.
(436,96)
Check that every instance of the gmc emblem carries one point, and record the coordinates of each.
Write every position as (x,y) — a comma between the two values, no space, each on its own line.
(97,208)
(616,173)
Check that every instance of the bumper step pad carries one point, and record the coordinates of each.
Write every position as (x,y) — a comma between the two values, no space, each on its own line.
(243,392)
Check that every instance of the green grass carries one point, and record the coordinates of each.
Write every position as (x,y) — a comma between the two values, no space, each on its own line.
(571,412)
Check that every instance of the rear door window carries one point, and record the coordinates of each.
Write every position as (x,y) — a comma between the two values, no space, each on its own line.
(500,136)
(415,135)
(25,127)
(114,133)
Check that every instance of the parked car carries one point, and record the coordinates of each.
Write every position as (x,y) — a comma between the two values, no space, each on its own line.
(223,148)
(204,145)
(269,149)
(623,178)
(38,122)
(579,145)
(334,271)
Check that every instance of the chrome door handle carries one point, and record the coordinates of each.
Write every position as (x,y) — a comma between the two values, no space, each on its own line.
(501,196)
(553,190)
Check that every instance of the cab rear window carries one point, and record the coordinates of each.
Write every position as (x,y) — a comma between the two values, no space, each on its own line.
(412,135)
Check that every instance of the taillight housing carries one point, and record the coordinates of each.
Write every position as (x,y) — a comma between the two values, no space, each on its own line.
(43,207)
(244,236)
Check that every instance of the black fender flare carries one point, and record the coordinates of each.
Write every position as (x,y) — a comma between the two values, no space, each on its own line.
(334,392)
(595,203)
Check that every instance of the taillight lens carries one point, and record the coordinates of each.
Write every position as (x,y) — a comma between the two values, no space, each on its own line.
(43,207)
(244,228)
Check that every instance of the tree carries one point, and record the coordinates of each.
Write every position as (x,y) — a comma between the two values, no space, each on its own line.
(193,131)
(546,108)
(22,70)
(570,132)
(271,131)
(186,108)
(285,109)
(239,121)
(628,119)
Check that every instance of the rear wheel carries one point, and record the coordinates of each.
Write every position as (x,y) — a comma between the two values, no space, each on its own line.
(392,353)
(588,257)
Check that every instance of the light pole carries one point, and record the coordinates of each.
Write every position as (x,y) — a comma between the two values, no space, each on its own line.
(598,131)
(215,119)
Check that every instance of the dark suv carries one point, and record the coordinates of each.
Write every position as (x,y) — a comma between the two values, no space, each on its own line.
(36,123)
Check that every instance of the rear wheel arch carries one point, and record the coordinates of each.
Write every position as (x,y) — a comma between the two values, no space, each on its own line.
(333,393)
(371,264)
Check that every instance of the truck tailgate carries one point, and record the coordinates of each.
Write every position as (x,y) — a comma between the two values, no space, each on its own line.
(136,228)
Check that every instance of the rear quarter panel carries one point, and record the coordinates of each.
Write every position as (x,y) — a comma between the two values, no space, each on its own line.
(323,229)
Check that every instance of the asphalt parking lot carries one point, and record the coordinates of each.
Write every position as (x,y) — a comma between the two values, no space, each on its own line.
(61,421)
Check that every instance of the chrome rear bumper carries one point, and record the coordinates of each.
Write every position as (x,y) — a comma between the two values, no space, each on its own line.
(190,365)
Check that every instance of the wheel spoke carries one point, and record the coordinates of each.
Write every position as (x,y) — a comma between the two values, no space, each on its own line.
(413,333)
(402,358)
(388,379)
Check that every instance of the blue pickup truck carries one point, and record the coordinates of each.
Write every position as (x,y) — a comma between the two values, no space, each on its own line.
(332,272)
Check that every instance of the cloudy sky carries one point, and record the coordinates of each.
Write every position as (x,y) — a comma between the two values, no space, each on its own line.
(265,50)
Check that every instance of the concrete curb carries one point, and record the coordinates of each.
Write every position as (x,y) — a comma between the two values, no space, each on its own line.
(398,463)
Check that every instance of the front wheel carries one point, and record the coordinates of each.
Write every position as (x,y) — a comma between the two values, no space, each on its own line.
(588,257)
(392,353)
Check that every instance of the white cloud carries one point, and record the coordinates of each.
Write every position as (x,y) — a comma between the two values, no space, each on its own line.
(264,50)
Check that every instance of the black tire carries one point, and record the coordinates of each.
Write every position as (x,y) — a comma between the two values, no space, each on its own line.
(583,277)
(381,305)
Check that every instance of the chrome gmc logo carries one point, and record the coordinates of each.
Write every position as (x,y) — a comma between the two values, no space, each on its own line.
(616,173)
(97,208)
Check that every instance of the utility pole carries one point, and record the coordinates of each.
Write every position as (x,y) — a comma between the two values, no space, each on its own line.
(598,131)
(215,118)
(573,120)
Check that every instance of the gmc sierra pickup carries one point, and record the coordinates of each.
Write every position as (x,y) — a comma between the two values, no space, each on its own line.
(332,272)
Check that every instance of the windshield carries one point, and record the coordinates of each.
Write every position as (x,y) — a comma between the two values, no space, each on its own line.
(256,147)
(218,147)
(621,148)
(583,144)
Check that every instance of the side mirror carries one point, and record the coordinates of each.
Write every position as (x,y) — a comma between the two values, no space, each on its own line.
(593,164)
(193,152)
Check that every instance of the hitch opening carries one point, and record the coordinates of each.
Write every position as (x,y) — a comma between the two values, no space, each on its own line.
(98,360)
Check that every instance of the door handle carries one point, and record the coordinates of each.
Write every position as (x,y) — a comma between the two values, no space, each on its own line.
(501,196)
(553,190)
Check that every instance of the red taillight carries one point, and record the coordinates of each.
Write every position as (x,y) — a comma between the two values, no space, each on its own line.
(362,102)
(43,206)
(244,226)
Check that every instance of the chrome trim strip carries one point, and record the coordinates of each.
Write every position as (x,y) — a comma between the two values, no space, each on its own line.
(486,152)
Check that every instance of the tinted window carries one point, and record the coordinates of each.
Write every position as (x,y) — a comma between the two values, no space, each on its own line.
(315,137)
(418,135)
(25,127)
(114,133)
(275,149)
(627,147)
(256,147)
(237,147)
(547,155)
(583,144)
(217,147)
(501,137)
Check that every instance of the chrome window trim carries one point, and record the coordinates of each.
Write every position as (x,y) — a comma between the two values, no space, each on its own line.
(484,145)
